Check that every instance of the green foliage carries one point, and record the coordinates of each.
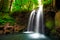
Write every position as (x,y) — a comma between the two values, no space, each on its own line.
(46,2)
(6,18)
(21,5)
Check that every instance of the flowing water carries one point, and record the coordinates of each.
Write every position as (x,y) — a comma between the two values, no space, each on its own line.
(35,23)
(30,22)
(39,20)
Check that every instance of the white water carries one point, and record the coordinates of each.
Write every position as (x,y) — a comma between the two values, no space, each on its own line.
(30,22)
(35,23)
(39,20)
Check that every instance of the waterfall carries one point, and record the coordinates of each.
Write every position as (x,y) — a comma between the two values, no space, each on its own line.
(30,22)
(39,20)
(35,23)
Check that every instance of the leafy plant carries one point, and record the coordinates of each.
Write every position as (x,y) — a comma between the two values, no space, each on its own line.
(46,2)
(22,5)
(6,18)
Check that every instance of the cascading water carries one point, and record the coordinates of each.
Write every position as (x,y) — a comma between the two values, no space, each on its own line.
(30,23)
(35,23)
(39,20)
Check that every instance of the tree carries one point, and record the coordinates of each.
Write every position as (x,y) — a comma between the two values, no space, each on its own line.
(22,5)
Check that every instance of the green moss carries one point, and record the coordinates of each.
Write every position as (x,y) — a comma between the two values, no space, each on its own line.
(45,2)
(57,23)
(49,24)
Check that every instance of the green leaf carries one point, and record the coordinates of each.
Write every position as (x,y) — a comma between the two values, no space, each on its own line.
(46,2)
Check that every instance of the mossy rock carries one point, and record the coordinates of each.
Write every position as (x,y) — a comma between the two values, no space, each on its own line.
(49,24)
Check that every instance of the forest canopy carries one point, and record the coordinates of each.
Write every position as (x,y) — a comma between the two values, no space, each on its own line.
(21,5)
(8,7)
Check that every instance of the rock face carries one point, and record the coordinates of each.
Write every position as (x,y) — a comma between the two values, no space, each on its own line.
(58,29)
(53,31)
(57,21)
(21,17)
(49,21)
(57,18)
